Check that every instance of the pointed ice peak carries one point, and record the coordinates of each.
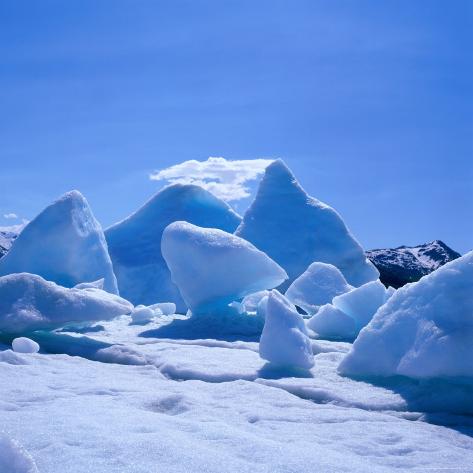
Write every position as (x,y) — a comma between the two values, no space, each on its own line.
(64,243)
(295,229)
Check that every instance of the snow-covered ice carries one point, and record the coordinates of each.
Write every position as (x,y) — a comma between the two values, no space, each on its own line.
(284,341)
(318,285)
(212,268)
(166,308)
(28,302)
(64,244)
(425,330)
(217,408)
(295,230)
(135,243)
(24,345)
(142,314)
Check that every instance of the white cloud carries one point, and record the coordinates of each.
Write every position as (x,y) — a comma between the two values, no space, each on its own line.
(10,216)
(227,179)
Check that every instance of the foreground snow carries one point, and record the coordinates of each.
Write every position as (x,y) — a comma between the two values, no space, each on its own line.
(212,406)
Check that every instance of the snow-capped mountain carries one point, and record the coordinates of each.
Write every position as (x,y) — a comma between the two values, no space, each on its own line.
(399,266)
(6,240)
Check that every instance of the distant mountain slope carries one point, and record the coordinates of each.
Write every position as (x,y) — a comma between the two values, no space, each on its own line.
(399,266)
(6,240)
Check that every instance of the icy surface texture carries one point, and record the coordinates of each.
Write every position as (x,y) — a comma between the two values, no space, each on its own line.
(28,302)
(295,230)
(212,268)
(251,302)
(284,341)
(135,243)
(363,302)
(25,345)
(333,324)
(64,244)
(425,330)
(317,286)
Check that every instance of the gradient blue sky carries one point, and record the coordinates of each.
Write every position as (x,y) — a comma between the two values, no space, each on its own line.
(369,102)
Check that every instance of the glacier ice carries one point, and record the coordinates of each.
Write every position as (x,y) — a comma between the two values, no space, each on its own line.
(425,330)
(64,244)
(251,302)
(24,345)
(284,341)
(362,302)
(142,315)
(331,323)
(135,243)
(295,230)
(317,286)
(213,268)
(28,302)
(166,308)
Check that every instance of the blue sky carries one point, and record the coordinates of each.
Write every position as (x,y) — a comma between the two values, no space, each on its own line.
(370,103)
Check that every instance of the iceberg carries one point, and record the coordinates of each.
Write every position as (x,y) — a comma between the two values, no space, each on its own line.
(317,286)
(284,341)
(425,330)
(362,302)
(213,268)
(64,244)
(28,303)
(24,345)
(333,324)
(295,230)
(135,243)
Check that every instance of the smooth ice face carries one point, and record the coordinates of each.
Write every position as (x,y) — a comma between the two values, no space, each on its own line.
(166,308)
(25,345)
(212,268)
(135,243)
(284,341)
(64,244)
(425,330)
(317,286)
(330,322)
(14,458)
(295,230)
(363,302)
(28,303)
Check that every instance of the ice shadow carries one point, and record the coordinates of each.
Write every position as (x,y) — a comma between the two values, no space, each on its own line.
(231,329)
(445,402)
(272,371)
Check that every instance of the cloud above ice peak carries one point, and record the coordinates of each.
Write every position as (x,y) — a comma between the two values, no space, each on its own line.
(10,216)
(225,178)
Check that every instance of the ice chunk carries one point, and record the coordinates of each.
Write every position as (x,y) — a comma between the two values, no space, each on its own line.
(212,268)
(284,340)
(25,345)
(362,303)
(425,330)
(64,244)
(135,243)
(166,308)
(250,303)
(94,284)
(142,315)
(330,322)
(317,286)
(28,302)
(14,458)
(295,230)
